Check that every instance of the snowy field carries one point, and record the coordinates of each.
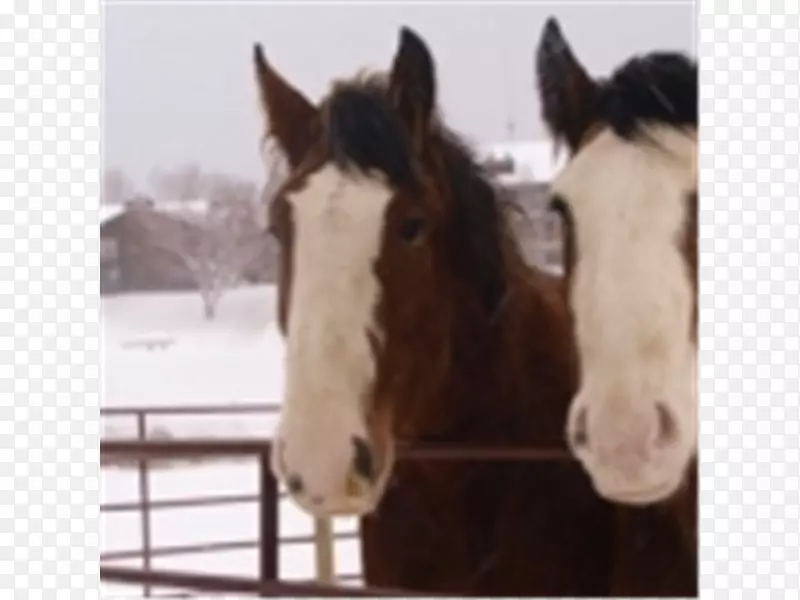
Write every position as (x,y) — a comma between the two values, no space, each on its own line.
(158,350)
(235,358)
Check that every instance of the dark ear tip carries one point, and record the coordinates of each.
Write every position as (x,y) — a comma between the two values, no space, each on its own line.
(552,39)
(258,54)
(411,39)
(551,26)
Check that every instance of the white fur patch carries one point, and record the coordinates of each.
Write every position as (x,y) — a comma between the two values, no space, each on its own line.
(330,366)
(632,297)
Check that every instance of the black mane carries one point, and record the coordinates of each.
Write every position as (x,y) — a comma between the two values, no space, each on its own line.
(364,132)
(660,87)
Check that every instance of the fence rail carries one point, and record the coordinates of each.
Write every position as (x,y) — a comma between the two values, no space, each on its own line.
(194,410)
(142,451)
(218,447)
(240,585)
(266,499)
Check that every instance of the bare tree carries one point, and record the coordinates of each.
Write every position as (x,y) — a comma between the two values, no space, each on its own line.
(222,188)
(217,244)
(182,183)
(117,186)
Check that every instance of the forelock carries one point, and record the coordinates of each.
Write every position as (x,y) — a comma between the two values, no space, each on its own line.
(363,132)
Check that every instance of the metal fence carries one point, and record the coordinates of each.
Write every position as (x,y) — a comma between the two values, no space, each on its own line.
(113,454)
(141,451)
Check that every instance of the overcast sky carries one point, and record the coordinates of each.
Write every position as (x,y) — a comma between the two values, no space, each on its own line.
(179,82)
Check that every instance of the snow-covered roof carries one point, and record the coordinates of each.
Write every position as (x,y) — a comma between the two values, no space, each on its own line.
(198,206)
(534,161)
(110,211)
(195,207)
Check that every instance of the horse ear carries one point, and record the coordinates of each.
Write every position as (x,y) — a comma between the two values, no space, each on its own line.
(290,117)
(566,92)
(412,84)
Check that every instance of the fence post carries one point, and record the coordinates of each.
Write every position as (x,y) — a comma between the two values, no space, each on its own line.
(323,550)
(144,495)
(268,508)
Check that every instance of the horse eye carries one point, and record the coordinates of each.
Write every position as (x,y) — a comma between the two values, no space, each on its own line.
(557,205)
(411,228)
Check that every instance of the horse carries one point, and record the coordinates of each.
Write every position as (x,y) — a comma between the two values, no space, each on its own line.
(627,202)
(410,314)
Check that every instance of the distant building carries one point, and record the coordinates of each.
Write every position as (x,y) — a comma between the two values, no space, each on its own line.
(133,257)
(130,261)
(538,229)
(524,171)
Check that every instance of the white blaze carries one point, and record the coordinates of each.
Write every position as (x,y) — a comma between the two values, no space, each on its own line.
(338,222)
(632,296)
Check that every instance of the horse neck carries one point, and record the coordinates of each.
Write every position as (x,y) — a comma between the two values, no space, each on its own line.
(511,374)
(539,369)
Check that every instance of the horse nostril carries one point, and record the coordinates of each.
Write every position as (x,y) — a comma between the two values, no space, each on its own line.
(294,484)
(580,435)
(363,461)
(667,426)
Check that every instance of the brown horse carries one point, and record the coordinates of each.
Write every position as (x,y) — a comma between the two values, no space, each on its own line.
(627,199)
(410,314)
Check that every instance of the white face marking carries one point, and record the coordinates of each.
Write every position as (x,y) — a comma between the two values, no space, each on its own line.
(330,366)
(632,299)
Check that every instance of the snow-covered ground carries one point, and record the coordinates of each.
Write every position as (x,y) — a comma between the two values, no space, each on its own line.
(236,357)
(158,350)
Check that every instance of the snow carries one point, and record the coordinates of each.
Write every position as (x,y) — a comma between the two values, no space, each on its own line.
(110,211)
(197,206)
(159,350)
